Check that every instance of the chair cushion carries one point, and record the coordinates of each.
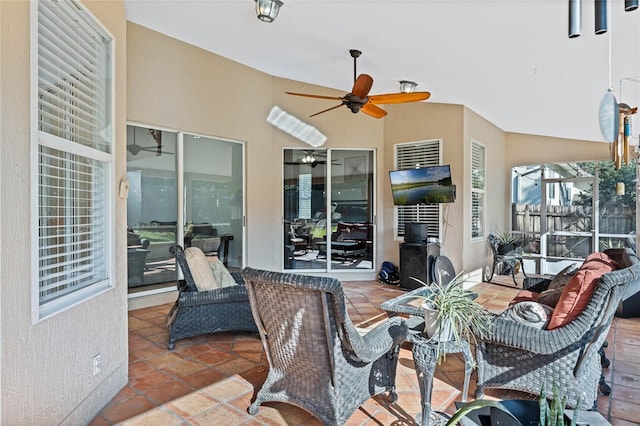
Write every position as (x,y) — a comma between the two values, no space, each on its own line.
(200,269)
(550,297)
(563,277)
(579,289)
(529,313)
(221,274)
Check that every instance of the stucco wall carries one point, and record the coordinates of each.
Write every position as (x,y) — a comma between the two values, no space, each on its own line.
(47,367)
(175,85)
(416,122)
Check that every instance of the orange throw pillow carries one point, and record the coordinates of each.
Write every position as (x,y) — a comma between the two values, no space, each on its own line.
(578,291)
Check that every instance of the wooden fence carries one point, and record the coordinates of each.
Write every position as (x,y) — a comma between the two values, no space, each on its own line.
(526,219)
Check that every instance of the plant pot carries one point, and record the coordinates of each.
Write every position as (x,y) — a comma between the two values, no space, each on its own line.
(433,328)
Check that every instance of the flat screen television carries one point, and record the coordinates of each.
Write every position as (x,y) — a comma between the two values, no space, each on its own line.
(425,185)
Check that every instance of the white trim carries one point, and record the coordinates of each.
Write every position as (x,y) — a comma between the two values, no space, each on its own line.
(38,138)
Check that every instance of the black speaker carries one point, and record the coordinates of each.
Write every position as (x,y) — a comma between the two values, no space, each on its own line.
(416,260)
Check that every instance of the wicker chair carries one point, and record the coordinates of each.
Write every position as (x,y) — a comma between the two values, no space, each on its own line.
(517,356)
(200,312)
(317,359)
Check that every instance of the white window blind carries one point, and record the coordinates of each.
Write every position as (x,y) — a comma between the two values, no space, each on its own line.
(410,156)
(73,162)
(478,179)
(73,95)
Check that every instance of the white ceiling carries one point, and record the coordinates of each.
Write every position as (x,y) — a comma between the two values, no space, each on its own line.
(508,60)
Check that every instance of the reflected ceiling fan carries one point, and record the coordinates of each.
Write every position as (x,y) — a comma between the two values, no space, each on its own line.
(135,149)
(359,100)
(310,159)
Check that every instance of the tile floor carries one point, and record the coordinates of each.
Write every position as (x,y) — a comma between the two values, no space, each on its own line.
(210,380)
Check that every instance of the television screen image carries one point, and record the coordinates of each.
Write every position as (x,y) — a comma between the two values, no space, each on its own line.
(425,185)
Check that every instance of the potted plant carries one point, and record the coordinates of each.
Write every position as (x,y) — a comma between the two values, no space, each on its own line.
(452,313)
(506,242)
(520,412)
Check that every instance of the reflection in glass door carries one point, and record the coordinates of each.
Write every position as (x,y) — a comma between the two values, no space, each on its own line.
(152,206)
(213,193)
(328,217)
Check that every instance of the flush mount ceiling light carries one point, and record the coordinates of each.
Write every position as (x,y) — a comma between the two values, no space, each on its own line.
(407,86)
(267,10)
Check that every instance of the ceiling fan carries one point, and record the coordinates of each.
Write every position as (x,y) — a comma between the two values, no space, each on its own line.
(359,100)
(310,159)
(135,149)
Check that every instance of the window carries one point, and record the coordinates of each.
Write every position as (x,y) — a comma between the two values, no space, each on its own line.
(73,162)
(410,156)
(478,178)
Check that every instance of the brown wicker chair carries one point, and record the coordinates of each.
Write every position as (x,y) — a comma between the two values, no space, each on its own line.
(200,312)
(317,359)
(517,356)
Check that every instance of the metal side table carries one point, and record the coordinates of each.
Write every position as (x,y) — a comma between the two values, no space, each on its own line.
(425,351)
(425,358)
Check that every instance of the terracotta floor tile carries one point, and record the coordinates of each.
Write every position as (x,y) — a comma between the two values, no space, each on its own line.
(140,368)
(625,410)
(211,379)
(168,392)
(150,380)
(157,416)
(203,378)
(228,389)
(192,404)
(184,368)
(235,366)
(128,408)
(222,415)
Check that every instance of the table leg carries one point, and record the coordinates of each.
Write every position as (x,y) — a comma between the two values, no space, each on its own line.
(424,357)
(469,364)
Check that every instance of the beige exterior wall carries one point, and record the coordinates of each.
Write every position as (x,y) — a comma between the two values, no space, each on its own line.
(476,252)
(421,122)
(47,367)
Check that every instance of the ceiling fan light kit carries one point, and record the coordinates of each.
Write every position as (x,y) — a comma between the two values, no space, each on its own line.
(407,86)
(267,10)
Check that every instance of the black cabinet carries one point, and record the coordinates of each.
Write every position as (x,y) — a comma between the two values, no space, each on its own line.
(416,260)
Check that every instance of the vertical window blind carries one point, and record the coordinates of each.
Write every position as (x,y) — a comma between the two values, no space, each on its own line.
(74,109)
(410,156)
(478,178)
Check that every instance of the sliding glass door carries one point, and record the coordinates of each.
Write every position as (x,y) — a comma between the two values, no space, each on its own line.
(328,209)
(213,194)
(177,178)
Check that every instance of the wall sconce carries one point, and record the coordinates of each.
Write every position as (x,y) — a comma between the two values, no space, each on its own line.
(267,10)
(619,188)
(407,86)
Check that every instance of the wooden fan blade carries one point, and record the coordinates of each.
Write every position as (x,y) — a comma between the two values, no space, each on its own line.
(362,85)
(399,98)
(328,109)
(373,111)
(333,98)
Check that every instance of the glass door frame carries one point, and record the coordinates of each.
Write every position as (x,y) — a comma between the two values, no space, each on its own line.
(369,153)
(545,233)
(181,199)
